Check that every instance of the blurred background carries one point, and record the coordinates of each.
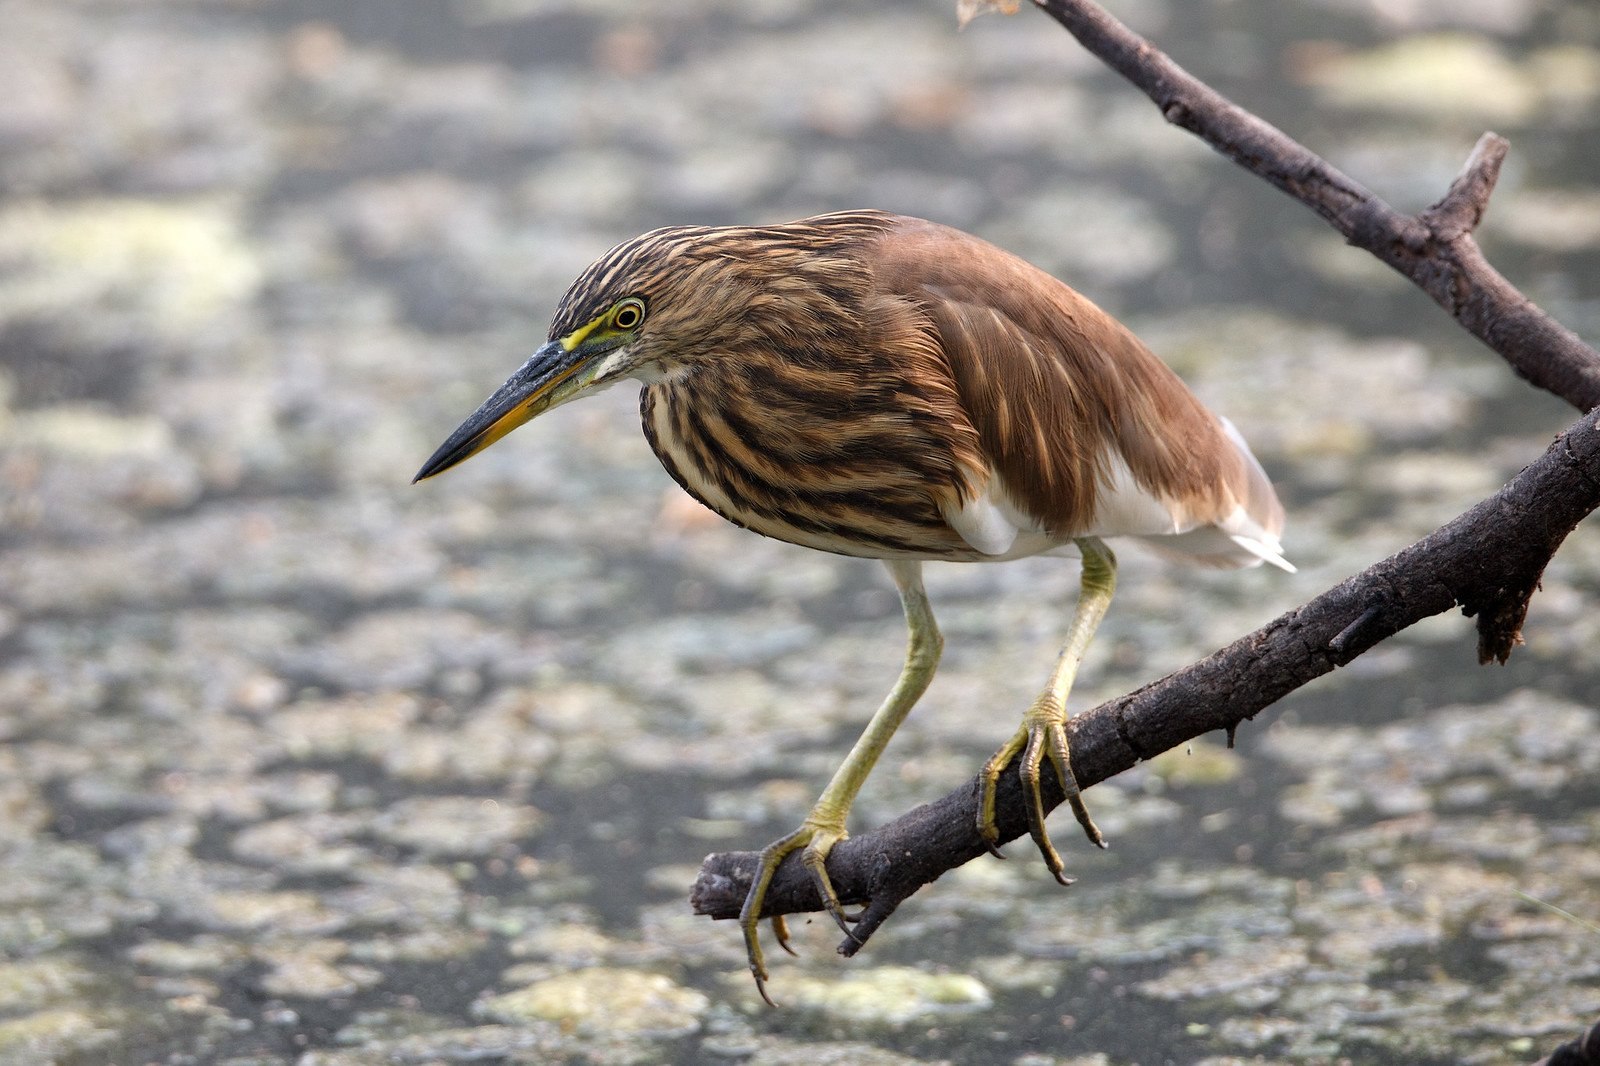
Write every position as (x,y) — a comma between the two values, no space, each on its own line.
(304,764)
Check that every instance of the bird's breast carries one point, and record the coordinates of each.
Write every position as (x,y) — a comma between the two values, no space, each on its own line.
(840,462)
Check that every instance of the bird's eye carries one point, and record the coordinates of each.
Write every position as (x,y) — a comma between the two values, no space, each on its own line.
(628,315)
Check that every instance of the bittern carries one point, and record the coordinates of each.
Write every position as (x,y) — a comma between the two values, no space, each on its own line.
(880,386)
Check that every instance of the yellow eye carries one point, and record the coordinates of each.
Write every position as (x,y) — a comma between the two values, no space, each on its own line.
(628,315)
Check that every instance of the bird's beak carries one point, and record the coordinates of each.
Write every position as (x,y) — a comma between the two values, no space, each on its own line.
(551,376)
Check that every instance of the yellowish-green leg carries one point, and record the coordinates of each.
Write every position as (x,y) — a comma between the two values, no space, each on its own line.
(1043,732)
(825,825)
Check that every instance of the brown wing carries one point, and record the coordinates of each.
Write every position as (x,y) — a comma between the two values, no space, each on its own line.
(1059,390)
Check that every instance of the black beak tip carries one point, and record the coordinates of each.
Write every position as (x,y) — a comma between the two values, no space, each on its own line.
(480,427)
(429,468)
(449,454)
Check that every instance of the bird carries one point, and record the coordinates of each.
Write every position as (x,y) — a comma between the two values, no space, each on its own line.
(881,386)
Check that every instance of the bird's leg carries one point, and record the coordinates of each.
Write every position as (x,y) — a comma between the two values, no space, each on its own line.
(825,825)
(1043,733)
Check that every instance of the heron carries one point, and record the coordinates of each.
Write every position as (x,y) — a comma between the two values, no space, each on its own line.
(881,386)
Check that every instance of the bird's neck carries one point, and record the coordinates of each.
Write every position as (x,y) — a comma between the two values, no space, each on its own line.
(659,374)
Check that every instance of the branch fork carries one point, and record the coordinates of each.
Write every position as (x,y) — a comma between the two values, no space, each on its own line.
(1462,208)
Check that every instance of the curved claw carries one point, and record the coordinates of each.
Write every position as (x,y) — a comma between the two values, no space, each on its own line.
(987,828)
(1043,735)
(817,840)
(1062,761)
(814,859)
(750,917)
(780,933)
(1032,758)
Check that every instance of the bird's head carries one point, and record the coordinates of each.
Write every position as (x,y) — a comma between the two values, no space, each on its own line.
(658,305)
(615,322)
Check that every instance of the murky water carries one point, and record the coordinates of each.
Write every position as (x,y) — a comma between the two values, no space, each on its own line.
(304,764)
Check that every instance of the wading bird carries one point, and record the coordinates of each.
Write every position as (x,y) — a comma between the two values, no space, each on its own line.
(880,386)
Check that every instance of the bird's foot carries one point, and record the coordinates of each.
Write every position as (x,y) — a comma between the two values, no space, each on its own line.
(814,839)
(1042,734)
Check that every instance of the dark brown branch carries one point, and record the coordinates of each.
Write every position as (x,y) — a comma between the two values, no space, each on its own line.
(1488,561)
(1462,208)
(1488,557)
(1435,249)
(1584,1051)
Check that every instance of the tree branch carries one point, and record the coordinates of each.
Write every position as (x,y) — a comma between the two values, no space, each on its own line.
(1488,561)
(1435,249)
(1584,1051)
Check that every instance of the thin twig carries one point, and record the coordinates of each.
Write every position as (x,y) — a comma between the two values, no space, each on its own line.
(1435,249)
(1460,210)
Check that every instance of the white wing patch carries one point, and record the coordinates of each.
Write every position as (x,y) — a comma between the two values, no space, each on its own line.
(1123,508)
(994,526)
(1245,531)
(1248,534)
(990,523)
(982,524)
(1239,540)
(1235,543)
